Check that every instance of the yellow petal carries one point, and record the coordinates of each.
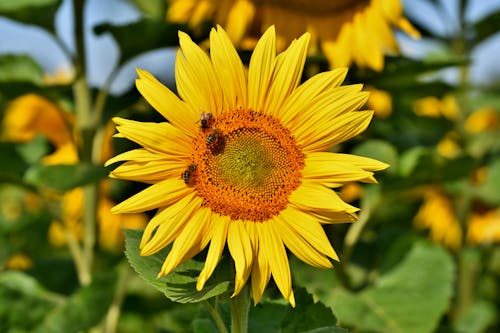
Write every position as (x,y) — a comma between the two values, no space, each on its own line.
(329,172)
(311,231)
(326,106)
(333,132)
(158,195)
(169,221)
(167,103)
(261,271)
(301,98)
(187,240)
(157,137)
(334,217)
(138,155)
(149,172)
(220,225)
(315,197)
(197,82)
(261,69)
(272,244)
(287,74)
(241,250)
(300,247)
(229,68)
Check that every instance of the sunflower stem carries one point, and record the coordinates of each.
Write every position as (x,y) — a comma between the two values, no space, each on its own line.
(240,305)
(215,316)
(86,129)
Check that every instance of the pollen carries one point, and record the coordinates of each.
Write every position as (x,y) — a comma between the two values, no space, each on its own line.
(247,165)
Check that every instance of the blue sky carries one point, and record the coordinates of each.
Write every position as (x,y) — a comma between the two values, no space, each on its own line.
(17,38)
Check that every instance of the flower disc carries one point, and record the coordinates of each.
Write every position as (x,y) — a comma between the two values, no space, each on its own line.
(250,169)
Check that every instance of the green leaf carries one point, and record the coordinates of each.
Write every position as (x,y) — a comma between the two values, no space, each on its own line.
(478,317)
(309,316)
(486,27)
(19,294)
(488,191)
(152,8)
(33,12)
(410,298)
(379,150)
(13,165)
(141,36)
(65,177)
(180,285)
(84,309)
(271,316)
(20,68)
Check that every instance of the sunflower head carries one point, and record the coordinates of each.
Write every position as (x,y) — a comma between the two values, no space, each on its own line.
(243,160)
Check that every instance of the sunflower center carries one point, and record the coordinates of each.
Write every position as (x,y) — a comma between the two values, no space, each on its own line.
(247,164)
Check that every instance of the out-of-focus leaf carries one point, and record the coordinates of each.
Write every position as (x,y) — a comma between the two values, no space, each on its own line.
(486,27)
(20,210)
(152,8)
(13,164)
(141,36)
(65,177)
(204,325)
(410,298)
(408,77)
(412,158)
(278,316)
(489,189)
(20,68)
(379,150)
(35,12)
(84,309)
(33,151)
(423,165)
(309,316)
(21,294)
(180,285)
(478,317)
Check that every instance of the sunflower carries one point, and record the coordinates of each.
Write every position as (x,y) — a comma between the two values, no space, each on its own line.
(347,31)
(242,160)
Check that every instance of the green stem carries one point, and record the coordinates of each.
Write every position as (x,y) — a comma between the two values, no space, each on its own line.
(86,127)
(215,316)
(114,310)
(354,233)
(469,262)
(240,305)
(78,258)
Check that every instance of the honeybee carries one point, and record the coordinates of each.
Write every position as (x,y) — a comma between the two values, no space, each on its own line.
(186,174)
(213,136)
(205,118)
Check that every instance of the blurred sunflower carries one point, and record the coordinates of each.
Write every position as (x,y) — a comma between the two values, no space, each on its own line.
(484,228)
(30,115)
(254,169)
(438,215)
(346,31)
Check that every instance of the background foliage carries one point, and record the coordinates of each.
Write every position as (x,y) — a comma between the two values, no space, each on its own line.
(424,256)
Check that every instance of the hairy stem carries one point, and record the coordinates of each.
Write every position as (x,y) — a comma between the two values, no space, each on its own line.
(215,316)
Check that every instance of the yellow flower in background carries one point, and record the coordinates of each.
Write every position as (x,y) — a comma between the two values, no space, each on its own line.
(32,114)
(438,215)
(379,101)
(484,228)
(346,31)
(483,119)
(449,146)
(19,261)
(434,107)
(243,160)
